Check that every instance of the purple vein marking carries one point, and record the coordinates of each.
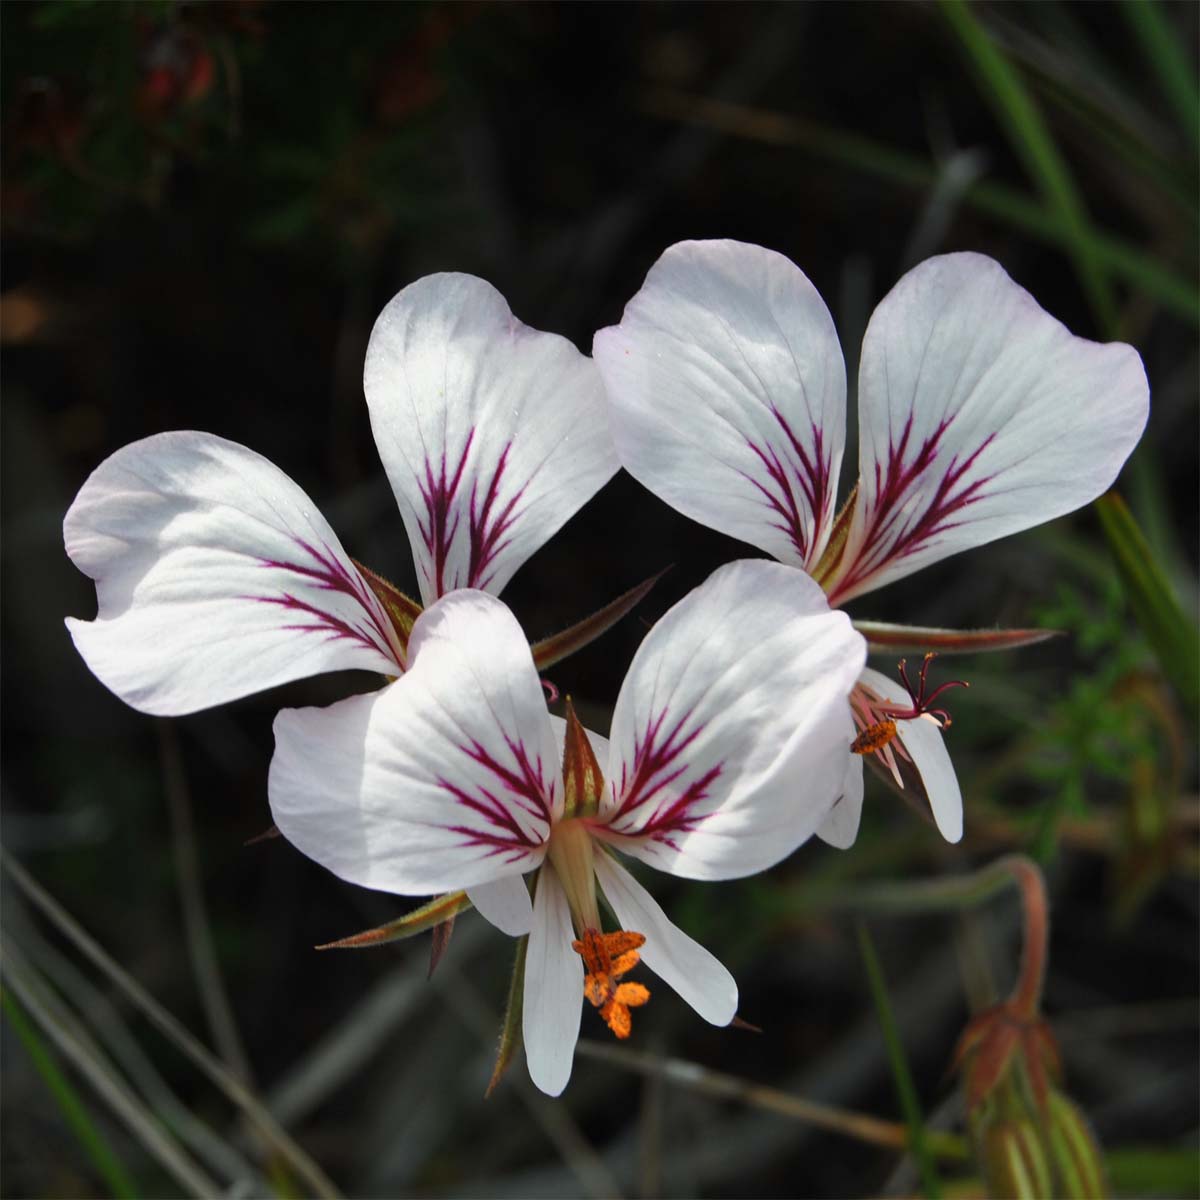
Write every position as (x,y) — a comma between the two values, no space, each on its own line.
(788,465)
(327,574)
(657,765)
(489,520)
(886,536)
(523,788)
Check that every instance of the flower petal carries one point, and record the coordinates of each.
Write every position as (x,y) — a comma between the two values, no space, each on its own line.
(979,415)
(840,827)
(445,779)
(505,902)
(681,963)
(492,433)
(216,577)
(553,1001)
(727,395)
(729,736)
(922,740)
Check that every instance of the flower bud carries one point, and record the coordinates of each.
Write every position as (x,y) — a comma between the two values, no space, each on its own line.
(1074,1154)
(1014,1161)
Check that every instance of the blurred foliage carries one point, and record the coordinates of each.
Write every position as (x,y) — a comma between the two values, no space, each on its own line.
(205,204)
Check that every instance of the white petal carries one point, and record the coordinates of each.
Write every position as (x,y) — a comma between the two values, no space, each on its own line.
(492,433)
(553,1000)
(504,902)
(979,415)
(729,736)
(675,958)
(923,741)
(216,577)
(840,827)
(445,779)
(728,395)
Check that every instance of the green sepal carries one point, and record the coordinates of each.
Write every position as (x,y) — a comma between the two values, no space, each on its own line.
(831,556)
(510,1031)
(558,646)
(883,637)
(1172,634)
(403,610)
(438,911)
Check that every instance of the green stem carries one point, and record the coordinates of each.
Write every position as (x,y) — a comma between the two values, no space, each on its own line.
(1032,142)
(1164,50)
(906,1090)
(119,1182)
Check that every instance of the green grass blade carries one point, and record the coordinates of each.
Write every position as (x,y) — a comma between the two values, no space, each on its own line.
(905,1088)
(1171,632)
(1032,141)
(1121,259)
(1163,48)
(110,1167)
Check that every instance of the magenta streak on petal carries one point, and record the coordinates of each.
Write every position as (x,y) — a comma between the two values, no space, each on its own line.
(811,471)
(489,525)
(438,530)
(329,575)
(524,787)
(656,766)
(885,537)
(490,521)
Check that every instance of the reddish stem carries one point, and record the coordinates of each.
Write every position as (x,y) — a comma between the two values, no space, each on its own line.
(1027,994)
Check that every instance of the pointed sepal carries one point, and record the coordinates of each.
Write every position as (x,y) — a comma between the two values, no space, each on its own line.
(582,778)
(403,610)
(439,943)
(884,637)
(439,910)
(510,1031)
(558,646)
(832,554)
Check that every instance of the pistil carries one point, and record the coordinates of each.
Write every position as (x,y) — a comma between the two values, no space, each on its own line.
(877,718)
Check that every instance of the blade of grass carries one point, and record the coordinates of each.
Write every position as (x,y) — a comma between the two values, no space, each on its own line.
(196,924)
(1171,632)
(1163,48)
(905,1088)
(1031,140)
(1118,257)
(172,1029)
(99,1073)
(106,1162)
(117,1041)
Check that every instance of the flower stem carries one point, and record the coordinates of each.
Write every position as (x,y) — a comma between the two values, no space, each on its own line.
(966,891)
(860,1126)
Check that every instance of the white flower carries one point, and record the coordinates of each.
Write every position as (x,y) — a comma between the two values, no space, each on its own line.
(217,576)
(450,779)
(979,415)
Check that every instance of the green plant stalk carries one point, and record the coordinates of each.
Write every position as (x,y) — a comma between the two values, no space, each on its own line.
(317,1182)
(905,1088)
(1005,204)
(110,1167)
(1032,141)
(927,895)
(1172,634)
(1163,49)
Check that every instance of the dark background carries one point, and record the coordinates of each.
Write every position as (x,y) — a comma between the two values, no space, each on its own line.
(204,208)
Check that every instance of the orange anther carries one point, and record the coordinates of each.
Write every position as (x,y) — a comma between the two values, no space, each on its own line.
(608,956)
(616,1012)
(874,737)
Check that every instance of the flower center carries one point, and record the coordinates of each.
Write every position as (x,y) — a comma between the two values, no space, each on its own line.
(876,718)
(606,957)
